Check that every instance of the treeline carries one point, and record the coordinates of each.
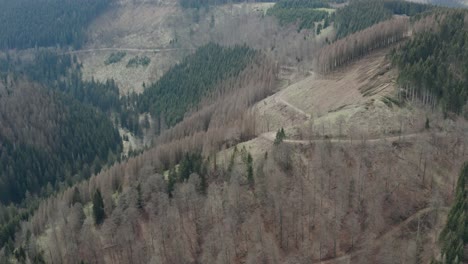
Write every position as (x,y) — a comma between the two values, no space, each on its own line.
(299,11)
(302,4)
(184,85)
(51,135)
(361,14)
(356,45)
(63,73)
(454,237)
(76,142)
(42,23)
(432,66)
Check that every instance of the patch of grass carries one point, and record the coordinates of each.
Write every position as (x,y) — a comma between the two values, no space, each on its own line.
(115,57)
(138,61)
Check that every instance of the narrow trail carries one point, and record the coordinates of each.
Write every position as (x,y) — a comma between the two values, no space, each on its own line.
(379,240)
(123,49)
(270,136)
(282,101)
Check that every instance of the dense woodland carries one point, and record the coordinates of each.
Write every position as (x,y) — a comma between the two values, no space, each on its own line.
(63,73)
(53,132)
(454,237)
(81,110)
(184,85)
(433,64)
(361,14)
(304,13)
(42,23)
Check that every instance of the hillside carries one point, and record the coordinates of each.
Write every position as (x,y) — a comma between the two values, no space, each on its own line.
(409,175)
(201,131)
(165,33)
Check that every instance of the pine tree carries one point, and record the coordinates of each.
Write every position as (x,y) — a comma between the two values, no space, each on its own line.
(280,136)
(98,208)
(250,176)
(140,197)
(455,233)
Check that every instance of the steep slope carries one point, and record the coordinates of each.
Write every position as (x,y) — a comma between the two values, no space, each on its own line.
(336,198)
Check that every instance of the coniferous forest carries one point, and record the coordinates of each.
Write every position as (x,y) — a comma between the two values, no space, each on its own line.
(183,86)
(305,13)
(361,14)
(42,23)
(433,64)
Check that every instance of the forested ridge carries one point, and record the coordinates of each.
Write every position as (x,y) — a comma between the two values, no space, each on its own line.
(210,182)
(184,85)
(432,65)
(74,136)
(454,237)
(361,14)
(63,73)
(305,13)
(50,135)
(42,23)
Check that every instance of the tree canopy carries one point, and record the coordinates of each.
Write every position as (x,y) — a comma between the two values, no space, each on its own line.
(455,233)
(185,84)
(42,23)
(434,61)
(361,14)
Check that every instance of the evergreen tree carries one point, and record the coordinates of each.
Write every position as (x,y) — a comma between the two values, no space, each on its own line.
(140,197)
(455,233)
(280,136)
(250,176)
(98,208)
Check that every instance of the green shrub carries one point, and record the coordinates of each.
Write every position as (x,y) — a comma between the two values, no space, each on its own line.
(115,57)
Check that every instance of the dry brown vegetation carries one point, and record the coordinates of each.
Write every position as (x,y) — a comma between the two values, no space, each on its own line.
(356,45)
(347,199)
(360,203)
(355,181)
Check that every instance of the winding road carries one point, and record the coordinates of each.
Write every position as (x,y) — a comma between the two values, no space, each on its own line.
(270,136)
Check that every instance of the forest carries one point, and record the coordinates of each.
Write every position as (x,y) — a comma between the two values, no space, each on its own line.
(361,14)
(304,13)
(53,132)
(455,233)
(432,65)
(43,23)
(216,184)
(83,138)
(183,86)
